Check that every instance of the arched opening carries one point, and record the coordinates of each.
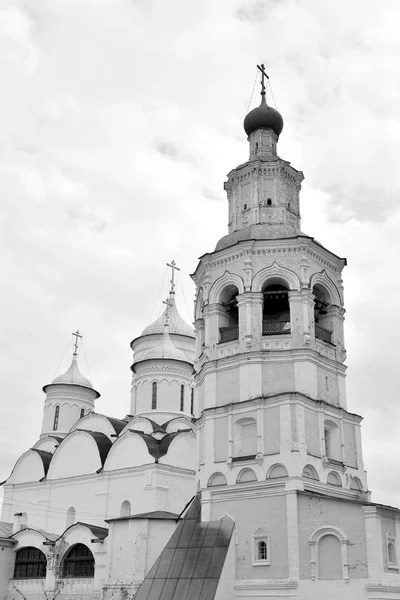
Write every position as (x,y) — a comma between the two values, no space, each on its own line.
(262,550)
(82,413)
(78,563)
(182,399)
(228,319)
(56,418)
(330,558)
(310,473)
(246,476)
(30,563)
(356,484)
(332,440)
(245,438)
(391,550)
(276,310)
(125,509)
(154,395)
(192,402)
(334,479)
(70,517)
(322,317)
(217,479)
(277,471)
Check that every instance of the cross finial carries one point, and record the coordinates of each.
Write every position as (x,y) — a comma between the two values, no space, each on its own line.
(77,335)
(174,268)
(167,303)
(263,75)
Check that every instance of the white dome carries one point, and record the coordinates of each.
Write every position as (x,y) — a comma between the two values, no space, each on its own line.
(177,325)
(165,349)
(72,377)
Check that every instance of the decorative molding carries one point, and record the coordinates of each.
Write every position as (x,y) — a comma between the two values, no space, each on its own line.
(77,394)
(265,584)
(160,369)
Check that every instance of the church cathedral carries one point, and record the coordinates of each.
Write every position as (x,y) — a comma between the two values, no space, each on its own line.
(238,472)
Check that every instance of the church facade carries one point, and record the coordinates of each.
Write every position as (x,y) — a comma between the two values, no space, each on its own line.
(238,472)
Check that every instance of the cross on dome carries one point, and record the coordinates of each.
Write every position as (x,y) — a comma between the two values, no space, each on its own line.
(77,335)
(263,75)
(174,268)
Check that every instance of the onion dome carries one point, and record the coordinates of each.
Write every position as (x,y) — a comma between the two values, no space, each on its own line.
(263,117)
(177,325)
(72,377)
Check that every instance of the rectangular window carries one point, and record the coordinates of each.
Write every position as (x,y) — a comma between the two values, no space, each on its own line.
(154,396)
(182,404)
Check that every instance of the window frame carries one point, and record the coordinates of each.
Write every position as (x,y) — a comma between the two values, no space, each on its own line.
(56,417)
(154,394)
(182,398)
(391,540)
(68,564)
(261,536)
(39,562)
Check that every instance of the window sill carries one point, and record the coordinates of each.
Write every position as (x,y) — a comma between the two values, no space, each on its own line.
(393,567)
(261,563)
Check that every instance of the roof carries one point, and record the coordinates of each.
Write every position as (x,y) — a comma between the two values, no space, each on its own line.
(46,458)
(191,563)
(50,537)
(5,529)
(158,448)
(99,532)
(103,443)
(72,377)
(155,514)
(177,326)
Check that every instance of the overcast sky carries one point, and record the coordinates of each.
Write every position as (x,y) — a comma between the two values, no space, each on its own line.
(119,120)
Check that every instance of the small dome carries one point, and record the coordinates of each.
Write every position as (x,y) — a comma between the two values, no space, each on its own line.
(72,377)
(177,325)
(263,117)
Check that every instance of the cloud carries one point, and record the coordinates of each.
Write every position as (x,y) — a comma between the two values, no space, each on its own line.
(119,122)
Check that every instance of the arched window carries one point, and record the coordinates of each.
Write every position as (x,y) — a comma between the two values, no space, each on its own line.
(329,558)
(56,418)
(276,310)
(391,550)
(334,479)
(82,413)
(78,563)
(216,479)
(245,438)
(229,315)
(30,563)
(277,471)
(125,509)
(262,553)
(154,395)
(182,402)
(192,402)
(70,516)
(246,475)
(310,473)
(329,553)
(356,484)
(322,318)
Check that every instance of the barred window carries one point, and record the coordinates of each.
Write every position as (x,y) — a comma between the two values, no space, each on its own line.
(78,562)
(56,418)
(154,396)
(30,563)
(262,553)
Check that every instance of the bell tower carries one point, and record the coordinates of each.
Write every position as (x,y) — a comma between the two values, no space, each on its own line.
(269,312)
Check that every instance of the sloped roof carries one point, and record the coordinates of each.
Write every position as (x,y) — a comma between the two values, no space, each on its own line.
(50,537)
(103,443)
(72,376)
(158,448)
(191,563)
(46,458)
(5,529)
(155,514)
(99,532)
